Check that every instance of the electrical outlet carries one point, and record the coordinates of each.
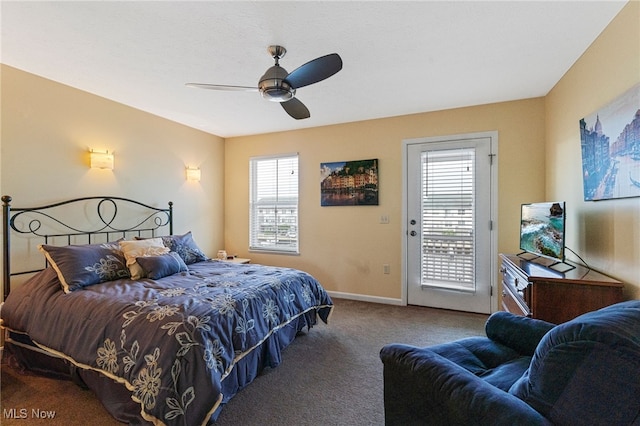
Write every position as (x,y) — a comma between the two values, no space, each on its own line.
(384,218)
(386,269)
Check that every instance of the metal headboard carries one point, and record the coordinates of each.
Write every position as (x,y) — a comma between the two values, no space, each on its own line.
(43,224)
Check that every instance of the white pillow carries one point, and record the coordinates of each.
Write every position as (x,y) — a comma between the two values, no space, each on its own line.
(141,248)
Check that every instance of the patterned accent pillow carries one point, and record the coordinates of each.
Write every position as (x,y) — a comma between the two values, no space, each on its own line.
(139,248)
(186,247)
(84,265)
(156,267)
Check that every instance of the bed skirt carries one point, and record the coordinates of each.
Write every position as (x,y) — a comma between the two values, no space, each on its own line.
(22,354)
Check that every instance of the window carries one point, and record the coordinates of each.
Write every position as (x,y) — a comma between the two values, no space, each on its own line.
(273,203)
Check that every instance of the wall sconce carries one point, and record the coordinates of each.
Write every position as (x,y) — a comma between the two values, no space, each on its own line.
(193,173)
(101,160)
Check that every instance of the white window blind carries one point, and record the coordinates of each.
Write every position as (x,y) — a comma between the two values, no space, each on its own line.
(448,194)
(273,203)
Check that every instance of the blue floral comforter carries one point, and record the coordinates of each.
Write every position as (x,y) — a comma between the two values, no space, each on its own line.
(172,342)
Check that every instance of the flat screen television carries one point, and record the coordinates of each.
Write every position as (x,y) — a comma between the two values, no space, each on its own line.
(542,229)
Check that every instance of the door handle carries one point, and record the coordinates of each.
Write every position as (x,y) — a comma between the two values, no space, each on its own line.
(413,233)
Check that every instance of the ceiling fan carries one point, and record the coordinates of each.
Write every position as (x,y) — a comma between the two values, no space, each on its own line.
(277,85)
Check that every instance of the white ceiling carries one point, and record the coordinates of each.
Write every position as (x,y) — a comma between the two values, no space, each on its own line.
(399,57)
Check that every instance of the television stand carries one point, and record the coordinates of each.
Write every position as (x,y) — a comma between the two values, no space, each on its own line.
(536,290)
(550,263)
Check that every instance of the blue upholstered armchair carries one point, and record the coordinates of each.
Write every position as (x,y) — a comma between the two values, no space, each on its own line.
(525,372)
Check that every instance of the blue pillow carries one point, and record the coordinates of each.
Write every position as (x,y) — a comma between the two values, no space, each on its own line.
(156,267)
(84,265)
(186,247)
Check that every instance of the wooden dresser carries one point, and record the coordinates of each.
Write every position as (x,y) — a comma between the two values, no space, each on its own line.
(534,290)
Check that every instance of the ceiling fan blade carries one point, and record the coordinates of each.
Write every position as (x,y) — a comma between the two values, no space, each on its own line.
(315,71)
(222,87)
(296,109)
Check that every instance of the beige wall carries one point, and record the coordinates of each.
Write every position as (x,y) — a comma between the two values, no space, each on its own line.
(345,247)
(605,233)
(48,129)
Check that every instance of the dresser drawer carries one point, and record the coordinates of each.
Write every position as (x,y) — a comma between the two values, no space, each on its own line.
(518,282)
(512,302)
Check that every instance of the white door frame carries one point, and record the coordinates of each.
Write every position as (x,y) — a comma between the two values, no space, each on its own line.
(493,135)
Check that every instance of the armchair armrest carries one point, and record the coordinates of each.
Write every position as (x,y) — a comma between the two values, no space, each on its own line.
(422,387)
(517,332)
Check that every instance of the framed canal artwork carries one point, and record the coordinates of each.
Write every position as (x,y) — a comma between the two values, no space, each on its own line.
(610,145)
(349,183)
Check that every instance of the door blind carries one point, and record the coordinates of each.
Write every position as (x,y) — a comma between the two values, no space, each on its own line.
(448,195)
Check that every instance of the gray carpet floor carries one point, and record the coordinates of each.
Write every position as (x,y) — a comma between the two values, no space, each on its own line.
(331,375)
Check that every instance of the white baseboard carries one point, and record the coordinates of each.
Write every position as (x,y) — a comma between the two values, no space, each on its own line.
(365,298)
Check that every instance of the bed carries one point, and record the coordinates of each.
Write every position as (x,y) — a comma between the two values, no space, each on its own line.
(171,346)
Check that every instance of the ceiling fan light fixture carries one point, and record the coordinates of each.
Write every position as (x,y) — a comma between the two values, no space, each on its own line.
(274,87)
(275,93)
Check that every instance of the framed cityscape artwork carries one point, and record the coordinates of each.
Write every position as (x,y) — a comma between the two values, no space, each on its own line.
(610,145)
(349,183)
